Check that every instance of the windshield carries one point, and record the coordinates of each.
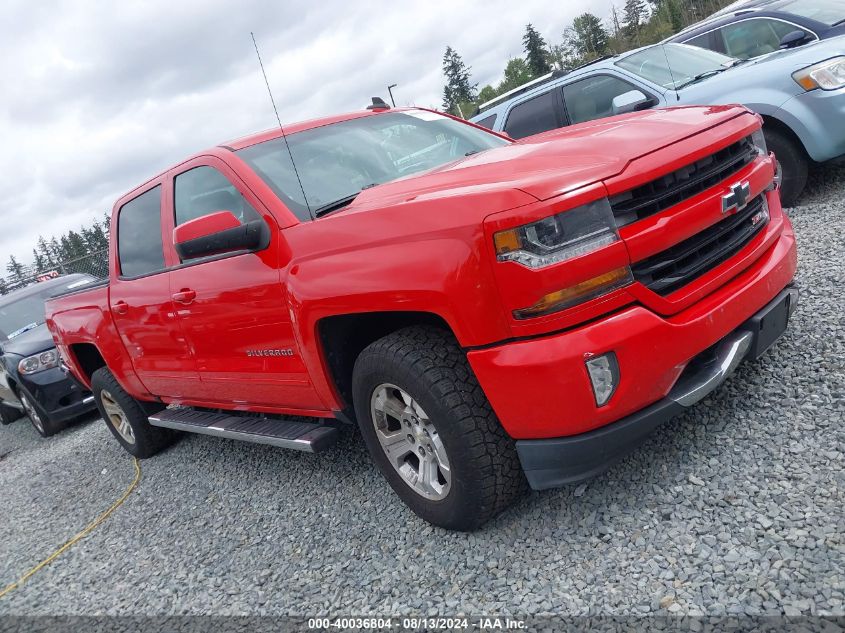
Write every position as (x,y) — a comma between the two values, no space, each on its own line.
(339,160)
(828,12)
(21,315)
(685,63)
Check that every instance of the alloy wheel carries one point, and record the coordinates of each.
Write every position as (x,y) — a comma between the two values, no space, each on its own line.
(410,441)
(116,417)
(32,413)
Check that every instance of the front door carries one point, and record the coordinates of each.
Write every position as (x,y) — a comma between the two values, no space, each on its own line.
(233,309)
(140,303)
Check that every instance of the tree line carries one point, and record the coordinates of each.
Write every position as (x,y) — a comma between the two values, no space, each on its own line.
(637,23)
(64,254)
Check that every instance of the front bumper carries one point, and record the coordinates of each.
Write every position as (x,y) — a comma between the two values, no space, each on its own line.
(540,387)
(60,396)
(816,117)
(558,461)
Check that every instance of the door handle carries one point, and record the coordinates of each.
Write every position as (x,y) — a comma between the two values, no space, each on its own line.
(120,307)
(186,296)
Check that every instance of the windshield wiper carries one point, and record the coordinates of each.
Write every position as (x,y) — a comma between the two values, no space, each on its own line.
(700,76)
(340,202)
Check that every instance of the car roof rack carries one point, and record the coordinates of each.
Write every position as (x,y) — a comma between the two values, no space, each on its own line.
(529,85)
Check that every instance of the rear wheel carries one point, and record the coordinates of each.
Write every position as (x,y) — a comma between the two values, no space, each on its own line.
(431,430)
(127,419)
(39,418)
(792,162)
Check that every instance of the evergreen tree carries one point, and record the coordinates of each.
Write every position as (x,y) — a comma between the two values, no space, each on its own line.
(636,12)
(536,52)
(40,264)
(44,252)
(458,89)
(15,269)
(590,39)
(672,9)
(4,287)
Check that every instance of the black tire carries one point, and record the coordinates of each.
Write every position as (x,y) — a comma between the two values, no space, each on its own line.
(428,364)
(8,414)
(147,440)
(40,419)
(793,161)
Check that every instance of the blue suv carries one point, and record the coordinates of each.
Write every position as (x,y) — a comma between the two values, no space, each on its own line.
(800,92)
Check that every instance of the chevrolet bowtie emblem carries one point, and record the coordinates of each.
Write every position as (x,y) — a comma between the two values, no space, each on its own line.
(737,199)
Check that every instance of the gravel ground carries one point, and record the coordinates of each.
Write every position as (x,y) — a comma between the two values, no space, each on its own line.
(736,507)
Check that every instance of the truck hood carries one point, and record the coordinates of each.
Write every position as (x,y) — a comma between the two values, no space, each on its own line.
(38,339)
(549,164)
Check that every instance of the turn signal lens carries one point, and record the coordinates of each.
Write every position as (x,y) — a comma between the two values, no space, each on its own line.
(828,75)
(589,289)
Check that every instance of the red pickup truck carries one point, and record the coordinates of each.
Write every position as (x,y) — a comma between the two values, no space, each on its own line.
(491,313)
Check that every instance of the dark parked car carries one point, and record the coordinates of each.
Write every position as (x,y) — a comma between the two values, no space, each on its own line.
(31,381)
(750,29)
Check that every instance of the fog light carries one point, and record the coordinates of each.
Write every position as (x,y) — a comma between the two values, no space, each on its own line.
(604,376)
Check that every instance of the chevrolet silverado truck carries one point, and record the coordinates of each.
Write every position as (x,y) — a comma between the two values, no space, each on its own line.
(490,313)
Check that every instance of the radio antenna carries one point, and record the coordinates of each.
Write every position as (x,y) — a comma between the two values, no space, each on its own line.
(669,66)
(281,127)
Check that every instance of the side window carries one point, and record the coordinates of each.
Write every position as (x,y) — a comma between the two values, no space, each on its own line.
(592,98)
(702,41)
(487,121)
(204,190)
(755,37)
(139,248)
(533,116)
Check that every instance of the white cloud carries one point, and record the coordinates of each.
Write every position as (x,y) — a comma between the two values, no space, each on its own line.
(98,96)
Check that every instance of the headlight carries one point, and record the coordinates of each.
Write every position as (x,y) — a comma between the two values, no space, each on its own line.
(828,75)
(560,237)
(38,362)
(760,142)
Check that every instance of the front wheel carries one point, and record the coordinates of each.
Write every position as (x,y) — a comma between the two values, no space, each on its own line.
(127,418)
(792,163)
(431,430)
(40,419)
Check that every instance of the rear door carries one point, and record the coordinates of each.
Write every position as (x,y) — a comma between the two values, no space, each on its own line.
(233,308)
(139,299)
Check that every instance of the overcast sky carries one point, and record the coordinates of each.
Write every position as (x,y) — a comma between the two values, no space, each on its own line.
(99,96)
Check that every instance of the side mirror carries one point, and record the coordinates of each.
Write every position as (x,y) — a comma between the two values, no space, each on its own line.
(218,233)
(793,38)
(629,102)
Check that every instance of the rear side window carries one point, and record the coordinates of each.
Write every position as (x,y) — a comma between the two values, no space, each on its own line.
(204,190)
(139,248)
(487,121)
(754,37)
(533,116)
(702,41)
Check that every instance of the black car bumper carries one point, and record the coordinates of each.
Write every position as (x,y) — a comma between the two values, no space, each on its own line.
(550,463)
(60,396)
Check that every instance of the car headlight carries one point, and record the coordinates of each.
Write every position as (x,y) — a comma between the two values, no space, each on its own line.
(38,362)
(560,237)
(760,142)
(828,75)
